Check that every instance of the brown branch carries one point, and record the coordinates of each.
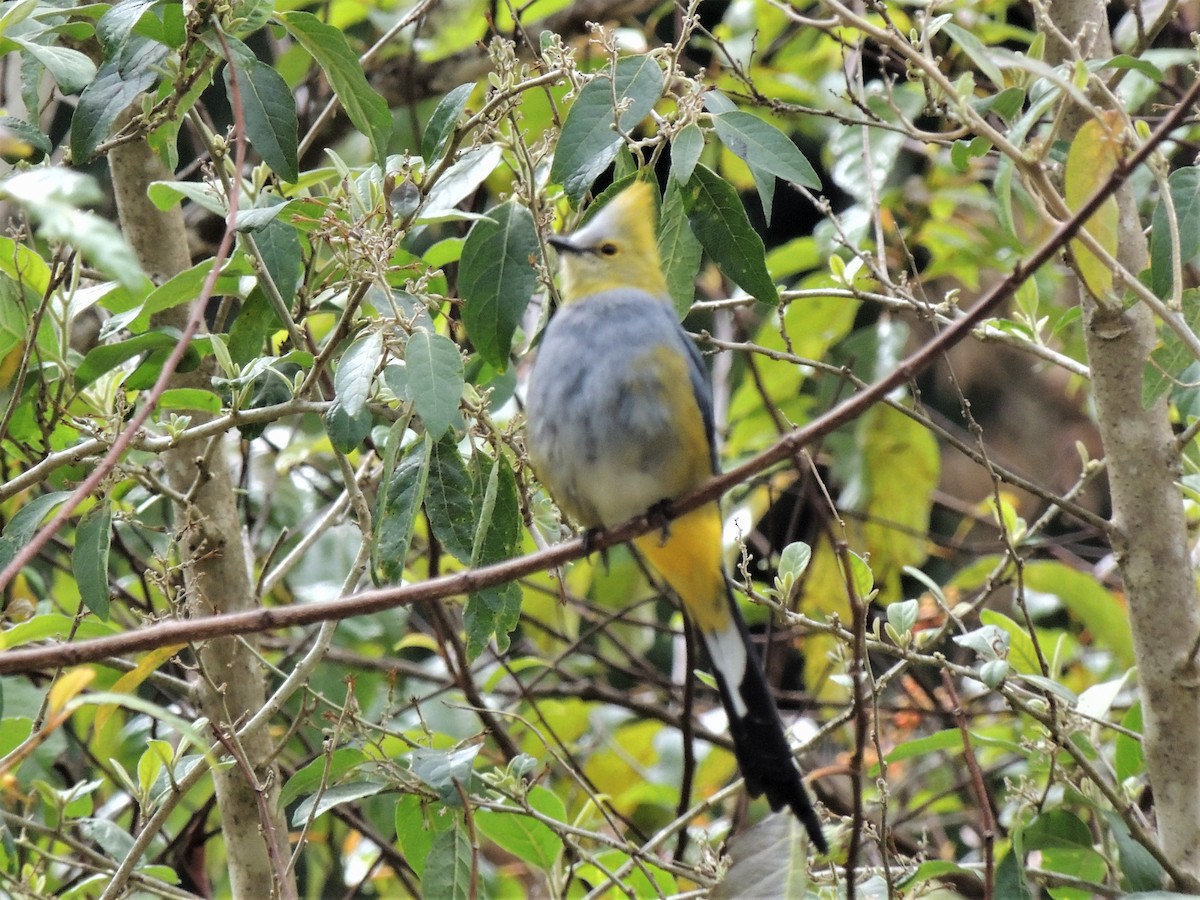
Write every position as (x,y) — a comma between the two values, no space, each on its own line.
(988,823)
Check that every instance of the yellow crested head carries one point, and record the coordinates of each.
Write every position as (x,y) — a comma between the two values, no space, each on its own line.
(616,248)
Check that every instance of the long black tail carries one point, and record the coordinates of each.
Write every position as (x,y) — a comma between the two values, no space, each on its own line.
(759,741)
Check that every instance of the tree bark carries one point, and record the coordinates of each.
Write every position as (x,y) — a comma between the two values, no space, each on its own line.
(1150,531)
(230,684)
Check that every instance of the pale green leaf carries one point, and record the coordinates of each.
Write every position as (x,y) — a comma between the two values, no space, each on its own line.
(765,148)
(588,143)
(435,380)
(496,279)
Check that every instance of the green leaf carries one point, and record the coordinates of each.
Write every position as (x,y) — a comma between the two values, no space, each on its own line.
(435,380)
(71,70)
(347,430)
(318,804)
(279,247)
(499,527)
(1065,842)
(115,840)
(24,525)
(764,147)
(89,559)
(458,182)
(1125,61)
(15,320)
(190,398)
(356,372)
(182,288)
(104,358)
(862,579)
(150,764)
(53,626)
(764,183)
(150,367)
(491,612)
(495,611)
(977,52)
(588,143)
(114,28)
(1006,104)
(327,768)
(396,510)
(24,266)
(1169,362)
(947,740)
(496,279)
(686,148)
(414,831)
(165,194)
(794,559)
(717,103)
(1088,602)
(269,110)
(443,121)
(525,837)
(962,152)
(450,500)
(248,334)
(1010,877)
(767,860)
(16,13)
(445,770)
(1022,654)
(448,866)
(50,196)
(1184,187)
(327,45)
(678,248)
(1140,871)
(1129,759)
(719,220)
(119,81)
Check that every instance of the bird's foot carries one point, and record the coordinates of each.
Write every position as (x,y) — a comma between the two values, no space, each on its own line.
(589,541)
(661,514)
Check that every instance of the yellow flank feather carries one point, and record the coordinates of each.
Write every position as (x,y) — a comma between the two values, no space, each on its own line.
(689,561)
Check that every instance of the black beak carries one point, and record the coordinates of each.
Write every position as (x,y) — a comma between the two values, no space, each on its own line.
(563,244)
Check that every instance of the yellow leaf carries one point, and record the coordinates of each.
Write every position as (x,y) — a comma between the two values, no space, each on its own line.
(1091,160)
(9,364)
(825,597)
(69,685)
(619,769)
(131,680)
(419,640)
(902,467)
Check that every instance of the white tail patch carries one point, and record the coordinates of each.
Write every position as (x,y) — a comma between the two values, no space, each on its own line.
(728,653)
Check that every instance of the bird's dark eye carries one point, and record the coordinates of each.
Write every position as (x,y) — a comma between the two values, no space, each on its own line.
(608,249)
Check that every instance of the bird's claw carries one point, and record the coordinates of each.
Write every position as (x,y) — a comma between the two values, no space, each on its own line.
(589,541)
(661,514)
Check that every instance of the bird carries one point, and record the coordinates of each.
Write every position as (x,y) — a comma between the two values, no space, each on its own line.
(619,422)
